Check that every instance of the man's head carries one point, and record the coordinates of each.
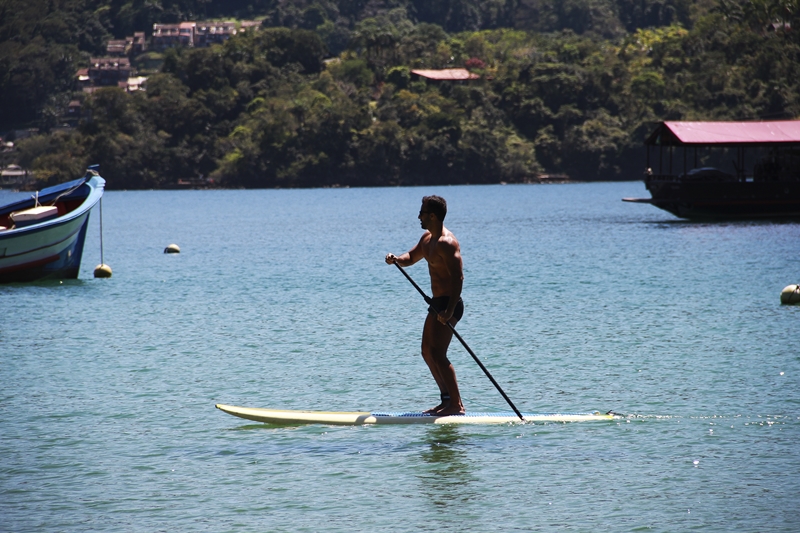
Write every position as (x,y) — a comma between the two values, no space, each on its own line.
(435,205)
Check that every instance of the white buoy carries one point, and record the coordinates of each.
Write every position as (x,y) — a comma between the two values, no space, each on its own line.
(790,295)
(172,249)
(102,271)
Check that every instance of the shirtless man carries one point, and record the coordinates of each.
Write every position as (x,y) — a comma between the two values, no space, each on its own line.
(439,247)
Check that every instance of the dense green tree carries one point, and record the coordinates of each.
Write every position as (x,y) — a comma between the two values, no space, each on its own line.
(120,140)
(565,87)
(40,51)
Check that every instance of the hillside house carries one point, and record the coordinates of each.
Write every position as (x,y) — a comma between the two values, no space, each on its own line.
(133,84)
(132,45)
(171,35)
(108,71)
(246,25)
(208,33)
(116,48)
(447,74)
(198,34)
(138,43)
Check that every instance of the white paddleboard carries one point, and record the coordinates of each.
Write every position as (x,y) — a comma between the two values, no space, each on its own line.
(278,416)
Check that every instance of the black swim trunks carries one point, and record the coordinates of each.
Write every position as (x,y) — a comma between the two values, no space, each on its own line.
(440,303)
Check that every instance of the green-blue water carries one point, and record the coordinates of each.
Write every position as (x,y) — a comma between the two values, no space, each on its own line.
(575,301)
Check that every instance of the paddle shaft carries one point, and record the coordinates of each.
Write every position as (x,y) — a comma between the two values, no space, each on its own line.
(475,357)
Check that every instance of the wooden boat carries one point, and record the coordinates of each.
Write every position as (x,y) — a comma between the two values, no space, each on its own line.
(42,237)
(724,169)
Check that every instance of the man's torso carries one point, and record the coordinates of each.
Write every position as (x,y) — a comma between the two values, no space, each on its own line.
(435,252)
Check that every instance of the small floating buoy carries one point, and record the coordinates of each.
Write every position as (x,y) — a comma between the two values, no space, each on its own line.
(102,271)
(172,249)
(790,295)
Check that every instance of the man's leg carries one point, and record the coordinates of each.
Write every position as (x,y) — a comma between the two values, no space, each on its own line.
(436,339)
(428,339)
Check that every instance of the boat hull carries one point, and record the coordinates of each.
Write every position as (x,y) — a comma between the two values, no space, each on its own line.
(51,249)
(724,200)
(737,199)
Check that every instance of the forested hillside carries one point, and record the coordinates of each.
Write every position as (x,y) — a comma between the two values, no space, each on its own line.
(323,94)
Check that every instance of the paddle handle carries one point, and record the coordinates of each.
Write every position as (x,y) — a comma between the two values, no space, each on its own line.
(475,357)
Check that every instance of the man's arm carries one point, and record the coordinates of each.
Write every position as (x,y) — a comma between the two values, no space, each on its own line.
(408,258)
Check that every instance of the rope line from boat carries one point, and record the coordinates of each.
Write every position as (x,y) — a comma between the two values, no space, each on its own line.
(57,198)
(102,270)
(65,193)
(102,259)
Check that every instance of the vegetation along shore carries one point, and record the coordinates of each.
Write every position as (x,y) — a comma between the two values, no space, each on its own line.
(313,93)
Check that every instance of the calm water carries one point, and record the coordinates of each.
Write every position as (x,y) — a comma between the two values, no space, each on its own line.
(575,301)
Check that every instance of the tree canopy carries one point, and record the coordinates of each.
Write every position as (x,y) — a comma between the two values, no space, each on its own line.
(323,94)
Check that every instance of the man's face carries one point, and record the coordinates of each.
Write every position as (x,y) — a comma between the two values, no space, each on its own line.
(424,217)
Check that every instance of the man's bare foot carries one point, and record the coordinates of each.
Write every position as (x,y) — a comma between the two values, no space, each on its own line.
(433,411)
(451,409)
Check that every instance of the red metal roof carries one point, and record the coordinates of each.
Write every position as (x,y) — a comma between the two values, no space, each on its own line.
(451,74)
(678,133)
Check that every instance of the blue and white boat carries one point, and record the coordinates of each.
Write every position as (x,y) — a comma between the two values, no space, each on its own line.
(42,237)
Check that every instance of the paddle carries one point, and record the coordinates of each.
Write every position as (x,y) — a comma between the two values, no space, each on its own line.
(485,371)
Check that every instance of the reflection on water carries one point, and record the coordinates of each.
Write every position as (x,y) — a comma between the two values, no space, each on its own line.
(447,474)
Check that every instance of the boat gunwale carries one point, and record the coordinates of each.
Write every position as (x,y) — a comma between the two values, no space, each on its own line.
(96,188)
